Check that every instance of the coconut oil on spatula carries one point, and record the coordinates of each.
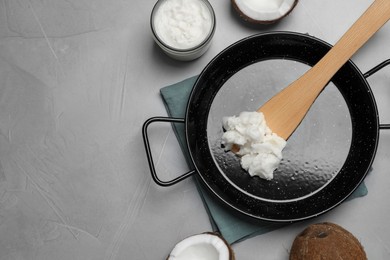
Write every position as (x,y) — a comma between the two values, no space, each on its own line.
(285,111)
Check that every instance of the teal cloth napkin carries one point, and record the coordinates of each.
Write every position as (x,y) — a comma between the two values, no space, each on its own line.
(231,227)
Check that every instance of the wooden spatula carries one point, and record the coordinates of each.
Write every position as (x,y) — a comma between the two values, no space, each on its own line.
(285,111)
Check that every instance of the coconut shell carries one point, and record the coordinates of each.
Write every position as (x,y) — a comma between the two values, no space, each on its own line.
(326,241)
(231,252)
(248,19)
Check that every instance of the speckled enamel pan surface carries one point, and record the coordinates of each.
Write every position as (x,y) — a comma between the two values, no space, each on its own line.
(326,158)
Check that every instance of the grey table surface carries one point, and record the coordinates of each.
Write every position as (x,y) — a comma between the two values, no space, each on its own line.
(77,80)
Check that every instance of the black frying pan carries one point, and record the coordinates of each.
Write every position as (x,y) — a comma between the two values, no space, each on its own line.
(325,159)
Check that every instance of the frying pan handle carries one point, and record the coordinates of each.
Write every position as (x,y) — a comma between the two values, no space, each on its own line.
(149,153)
(377,68)
(373,71)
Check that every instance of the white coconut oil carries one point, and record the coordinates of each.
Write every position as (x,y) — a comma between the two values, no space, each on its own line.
(183,24)
(259,148)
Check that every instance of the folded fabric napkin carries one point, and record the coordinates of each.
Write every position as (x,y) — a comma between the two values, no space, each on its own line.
(231,227)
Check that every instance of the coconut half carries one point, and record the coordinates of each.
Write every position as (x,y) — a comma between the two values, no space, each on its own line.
(263,11)
(206,246)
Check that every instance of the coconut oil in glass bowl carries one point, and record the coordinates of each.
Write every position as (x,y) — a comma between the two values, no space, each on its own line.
(183,28)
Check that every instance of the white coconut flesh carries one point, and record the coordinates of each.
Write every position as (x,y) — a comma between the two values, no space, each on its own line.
(265,10)
(205,246)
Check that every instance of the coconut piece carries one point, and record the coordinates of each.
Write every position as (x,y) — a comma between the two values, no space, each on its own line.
(326,241)
(206,246)
(263,11)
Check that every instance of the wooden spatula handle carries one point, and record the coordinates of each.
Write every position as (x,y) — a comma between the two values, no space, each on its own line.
(285,111)
(356,36)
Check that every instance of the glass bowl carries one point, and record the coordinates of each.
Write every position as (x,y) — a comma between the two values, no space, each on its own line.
(183,29)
